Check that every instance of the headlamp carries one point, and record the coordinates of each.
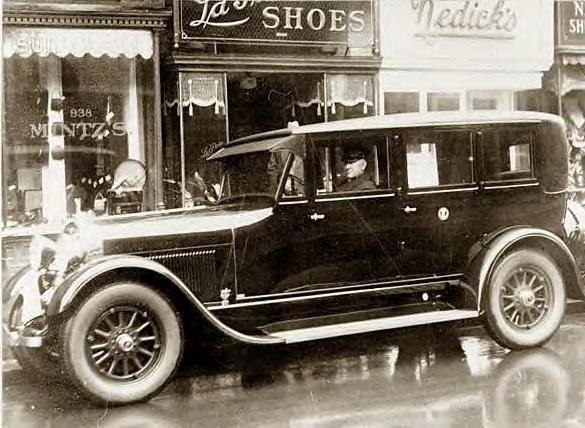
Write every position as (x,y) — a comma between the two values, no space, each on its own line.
(42,252)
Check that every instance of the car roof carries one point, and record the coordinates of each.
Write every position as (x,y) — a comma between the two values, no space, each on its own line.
(443,118)
(285,138)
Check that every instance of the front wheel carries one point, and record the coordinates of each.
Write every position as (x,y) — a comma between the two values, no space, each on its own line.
(122,344)
(524,302)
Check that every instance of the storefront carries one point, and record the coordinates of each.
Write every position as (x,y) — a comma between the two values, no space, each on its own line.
(81,116)
(238,68)
(463,55)
(567,81)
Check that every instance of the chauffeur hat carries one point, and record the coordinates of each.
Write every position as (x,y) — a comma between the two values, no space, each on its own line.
(352,155)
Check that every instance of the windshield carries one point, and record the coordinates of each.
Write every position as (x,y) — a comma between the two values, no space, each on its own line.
(253,176)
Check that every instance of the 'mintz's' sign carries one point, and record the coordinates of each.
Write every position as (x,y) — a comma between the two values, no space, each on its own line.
(305,22)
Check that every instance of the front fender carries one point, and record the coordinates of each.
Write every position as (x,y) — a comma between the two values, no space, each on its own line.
(483,263)
(75,284)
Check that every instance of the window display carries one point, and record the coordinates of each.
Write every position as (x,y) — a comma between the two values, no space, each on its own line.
(80,119)
(217,107)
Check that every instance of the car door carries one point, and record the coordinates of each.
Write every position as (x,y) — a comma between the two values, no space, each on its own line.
(439,199)
(348,226)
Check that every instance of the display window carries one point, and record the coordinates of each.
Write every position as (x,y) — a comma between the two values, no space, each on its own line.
(573,104)
(78,132)
(203,111)
(414,101)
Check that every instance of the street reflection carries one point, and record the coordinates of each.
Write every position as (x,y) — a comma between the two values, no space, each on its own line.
(447,380)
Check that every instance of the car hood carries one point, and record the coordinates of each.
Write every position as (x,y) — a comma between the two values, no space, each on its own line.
(168,223)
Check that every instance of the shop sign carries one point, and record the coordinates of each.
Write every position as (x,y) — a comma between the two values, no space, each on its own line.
(303,22)
(571,22)
(465,18)
(82,124)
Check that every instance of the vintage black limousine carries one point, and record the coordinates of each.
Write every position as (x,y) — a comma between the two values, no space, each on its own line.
(319,231)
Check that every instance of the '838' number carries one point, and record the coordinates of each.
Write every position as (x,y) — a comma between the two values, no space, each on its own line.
(80,113)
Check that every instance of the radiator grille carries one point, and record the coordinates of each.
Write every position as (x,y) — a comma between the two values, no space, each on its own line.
(196,268)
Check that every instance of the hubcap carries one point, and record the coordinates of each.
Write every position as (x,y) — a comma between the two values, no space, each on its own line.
(124,342)
(526,297)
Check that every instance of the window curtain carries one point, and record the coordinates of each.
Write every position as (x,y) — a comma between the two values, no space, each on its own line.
(350,91)
(201,90)
(314,97)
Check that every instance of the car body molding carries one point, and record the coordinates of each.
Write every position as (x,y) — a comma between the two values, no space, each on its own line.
(498,244)
(71,288)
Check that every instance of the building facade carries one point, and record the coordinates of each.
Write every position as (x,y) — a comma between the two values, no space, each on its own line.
(465,55)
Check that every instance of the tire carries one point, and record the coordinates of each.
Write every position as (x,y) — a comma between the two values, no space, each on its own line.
(524,301)
(122,344)
(38,365)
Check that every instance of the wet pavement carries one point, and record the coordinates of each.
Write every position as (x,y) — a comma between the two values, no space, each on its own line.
(407,378)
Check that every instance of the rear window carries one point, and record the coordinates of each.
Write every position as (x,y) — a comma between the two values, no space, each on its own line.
(507,154)
(439,158)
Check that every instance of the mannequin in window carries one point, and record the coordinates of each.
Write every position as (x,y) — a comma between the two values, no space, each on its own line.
(355,169)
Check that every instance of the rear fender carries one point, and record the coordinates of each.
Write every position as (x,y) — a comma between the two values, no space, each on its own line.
(483,263)
(81,282)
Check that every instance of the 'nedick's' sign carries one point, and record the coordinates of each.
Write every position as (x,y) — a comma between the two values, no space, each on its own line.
(273,21)
(465,18)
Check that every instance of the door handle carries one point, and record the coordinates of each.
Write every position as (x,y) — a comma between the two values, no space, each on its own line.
(408,209)
(317,217)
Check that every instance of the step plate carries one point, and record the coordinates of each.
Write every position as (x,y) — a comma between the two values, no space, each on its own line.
(323,332)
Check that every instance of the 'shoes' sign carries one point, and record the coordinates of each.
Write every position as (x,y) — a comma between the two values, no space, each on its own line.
(316,22)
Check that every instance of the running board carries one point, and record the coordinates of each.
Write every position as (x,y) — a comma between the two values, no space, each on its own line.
(355,327)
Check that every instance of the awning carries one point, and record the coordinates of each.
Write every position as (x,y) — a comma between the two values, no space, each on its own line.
(62,42)
(445,80)
(574,59)
(572,78)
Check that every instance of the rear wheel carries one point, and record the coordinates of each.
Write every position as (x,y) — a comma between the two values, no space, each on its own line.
(524,302)
(123,343)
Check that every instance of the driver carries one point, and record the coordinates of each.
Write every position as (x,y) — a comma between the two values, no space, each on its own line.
(355,171)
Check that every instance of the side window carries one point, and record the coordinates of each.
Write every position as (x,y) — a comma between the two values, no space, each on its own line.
(351,163)
(438,158)
(507,154)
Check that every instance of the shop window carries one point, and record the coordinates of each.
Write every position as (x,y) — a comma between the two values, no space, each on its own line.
(533,100)
(506,154)
(351,163)
(349,96)
(260,102)
(438,158)
(218,107)
(442,101)
(199,119)
(79,131)
(489,100)
(401,102)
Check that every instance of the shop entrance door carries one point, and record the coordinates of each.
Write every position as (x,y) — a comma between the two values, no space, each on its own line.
(259,102)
